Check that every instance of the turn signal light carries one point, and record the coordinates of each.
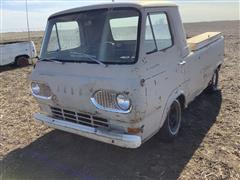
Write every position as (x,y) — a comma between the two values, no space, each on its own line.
(134,130)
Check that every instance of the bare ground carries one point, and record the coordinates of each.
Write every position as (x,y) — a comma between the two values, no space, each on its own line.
(208,146)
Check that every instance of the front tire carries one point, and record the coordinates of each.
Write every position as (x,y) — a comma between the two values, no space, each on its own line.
(172,123)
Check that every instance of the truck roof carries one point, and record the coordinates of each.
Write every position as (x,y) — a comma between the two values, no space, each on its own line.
(139,5)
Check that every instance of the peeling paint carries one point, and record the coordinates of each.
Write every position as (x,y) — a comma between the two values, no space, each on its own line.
(152,67)
(159,107)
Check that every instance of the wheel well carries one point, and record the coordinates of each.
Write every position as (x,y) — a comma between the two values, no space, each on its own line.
(24,55)
(182,100)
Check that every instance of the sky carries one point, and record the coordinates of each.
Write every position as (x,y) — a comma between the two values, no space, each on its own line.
(13,12)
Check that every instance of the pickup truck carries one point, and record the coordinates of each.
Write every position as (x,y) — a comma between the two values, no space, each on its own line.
(121,72)
(17,53)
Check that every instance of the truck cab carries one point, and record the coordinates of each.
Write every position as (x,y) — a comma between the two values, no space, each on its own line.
(120,72)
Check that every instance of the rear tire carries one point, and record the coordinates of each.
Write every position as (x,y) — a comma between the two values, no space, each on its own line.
(213,84)
(22,61)
(172,124)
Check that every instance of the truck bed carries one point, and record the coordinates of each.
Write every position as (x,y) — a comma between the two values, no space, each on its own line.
(197,42)
(12,42)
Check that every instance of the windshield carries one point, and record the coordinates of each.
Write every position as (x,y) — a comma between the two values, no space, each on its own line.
(106,35)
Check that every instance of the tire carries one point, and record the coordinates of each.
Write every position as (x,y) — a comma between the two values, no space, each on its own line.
(213,84)
(172,124)
(22,61)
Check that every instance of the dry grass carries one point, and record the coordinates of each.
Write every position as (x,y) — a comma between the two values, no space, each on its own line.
(208,146)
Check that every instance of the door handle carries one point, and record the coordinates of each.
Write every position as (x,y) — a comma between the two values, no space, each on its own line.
(182,63)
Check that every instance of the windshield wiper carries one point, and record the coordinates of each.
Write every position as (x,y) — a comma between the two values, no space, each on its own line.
(93,58)
(55,60)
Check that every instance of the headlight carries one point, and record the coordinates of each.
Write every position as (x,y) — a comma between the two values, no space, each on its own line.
(40,90)
(35,88)
(123,102)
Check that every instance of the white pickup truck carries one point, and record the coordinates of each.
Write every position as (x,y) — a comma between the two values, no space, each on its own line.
(120,72)
(17,53)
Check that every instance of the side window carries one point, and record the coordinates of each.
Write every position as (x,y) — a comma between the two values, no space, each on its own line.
(67,33)
(124,29)
(150,43)
(160,29)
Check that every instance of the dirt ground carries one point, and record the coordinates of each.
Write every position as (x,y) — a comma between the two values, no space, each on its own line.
(208,146)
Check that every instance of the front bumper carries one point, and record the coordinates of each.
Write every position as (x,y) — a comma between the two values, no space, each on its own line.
(110,137)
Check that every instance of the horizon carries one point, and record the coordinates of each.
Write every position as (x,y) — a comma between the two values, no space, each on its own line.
(13,18)
(42,31)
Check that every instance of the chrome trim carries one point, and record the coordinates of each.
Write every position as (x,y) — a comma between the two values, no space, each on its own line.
(109,109)
(41,97)
(38,96)
(110,137)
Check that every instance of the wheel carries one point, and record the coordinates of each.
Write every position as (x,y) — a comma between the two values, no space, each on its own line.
(172,123)
(213,84)
(22,61)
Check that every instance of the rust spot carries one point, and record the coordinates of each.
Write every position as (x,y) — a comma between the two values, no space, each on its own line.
(142,81)
(126,92)
(152,67)
(96,112)
(55,100)
(80,92)
(91,90)
(136,120)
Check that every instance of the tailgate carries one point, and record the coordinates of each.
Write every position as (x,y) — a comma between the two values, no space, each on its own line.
(197,42)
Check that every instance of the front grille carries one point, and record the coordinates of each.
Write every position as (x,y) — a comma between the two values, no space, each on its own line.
(79,118)
(106,99)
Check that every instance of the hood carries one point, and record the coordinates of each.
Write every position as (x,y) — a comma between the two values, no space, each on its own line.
(73,84)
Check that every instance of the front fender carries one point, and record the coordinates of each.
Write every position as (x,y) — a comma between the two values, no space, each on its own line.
(173,96)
